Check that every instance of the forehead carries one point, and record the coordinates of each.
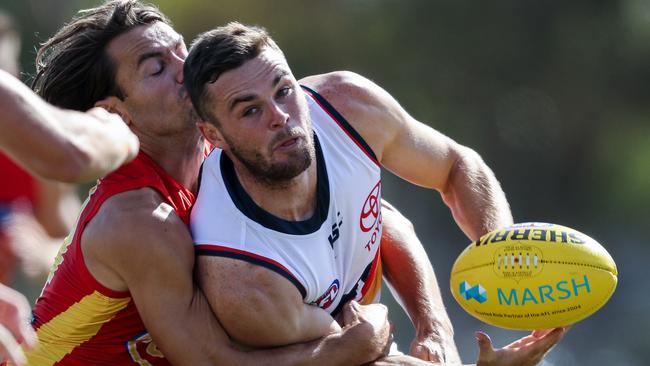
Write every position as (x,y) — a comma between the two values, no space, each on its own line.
(126,48)
(259,72)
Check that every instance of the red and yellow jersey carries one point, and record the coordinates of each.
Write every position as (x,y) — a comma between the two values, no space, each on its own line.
(80,322)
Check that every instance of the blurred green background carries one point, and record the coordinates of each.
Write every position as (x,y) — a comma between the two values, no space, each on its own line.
(554,96)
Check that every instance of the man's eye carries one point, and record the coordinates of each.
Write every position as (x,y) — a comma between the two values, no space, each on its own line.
(250,111)
(161,68)
(284,91)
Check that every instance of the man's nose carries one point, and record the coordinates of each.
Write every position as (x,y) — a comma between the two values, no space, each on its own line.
(279,116)
(178,64)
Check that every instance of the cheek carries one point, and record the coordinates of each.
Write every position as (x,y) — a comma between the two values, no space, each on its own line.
(161,91)
(301,105)
(302,112)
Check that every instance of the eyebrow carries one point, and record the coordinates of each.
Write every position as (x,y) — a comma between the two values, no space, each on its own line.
(249,97)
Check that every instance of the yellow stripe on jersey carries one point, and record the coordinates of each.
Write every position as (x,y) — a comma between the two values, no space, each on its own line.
(80,322)
(375,287)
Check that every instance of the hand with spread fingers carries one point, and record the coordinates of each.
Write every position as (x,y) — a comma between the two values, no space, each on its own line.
(529,350)
(526,351)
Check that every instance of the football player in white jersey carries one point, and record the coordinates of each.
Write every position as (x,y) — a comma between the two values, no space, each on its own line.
(254,110)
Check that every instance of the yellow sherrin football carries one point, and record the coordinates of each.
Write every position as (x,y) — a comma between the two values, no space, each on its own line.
(533,276)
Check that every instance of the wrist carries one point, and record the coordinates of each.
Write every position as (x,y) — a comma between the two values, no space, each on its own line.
(436,328)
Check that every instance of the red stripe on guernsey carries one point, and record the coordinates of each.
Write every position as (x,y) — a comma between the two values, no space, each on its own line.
(341,125)
(372,275)
(209,249)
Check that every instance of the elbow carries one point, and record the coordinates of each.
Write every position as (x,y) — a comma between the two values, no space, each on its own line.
(467,168)
(474,194)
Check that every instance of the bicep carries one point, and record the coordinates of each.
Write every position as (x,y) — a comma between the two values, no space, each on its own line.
(419,153)
(258,307)
(405,146)
(156,261)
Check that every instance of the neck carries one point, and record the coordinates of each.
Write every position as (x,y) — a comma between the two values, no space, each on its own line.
(293,200)
(180,156)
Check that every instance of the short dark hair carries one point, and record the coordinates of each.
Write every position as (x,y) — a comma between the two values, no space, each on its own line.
(217,51)
(73,69)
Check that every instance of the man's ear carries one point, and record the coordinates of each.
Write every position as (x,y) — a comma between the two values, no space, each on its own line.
(212,134)
(115,105)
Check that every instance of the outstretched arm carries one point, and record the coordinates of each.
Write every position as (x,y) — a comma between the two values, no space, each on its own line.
(412,281)
(60,144)
(417,152)
(528,350)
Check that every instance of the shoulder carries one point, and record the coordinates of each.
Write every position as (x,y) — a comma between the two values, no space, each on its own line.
(133,230)
(345,90)
(372,111)
(134,213)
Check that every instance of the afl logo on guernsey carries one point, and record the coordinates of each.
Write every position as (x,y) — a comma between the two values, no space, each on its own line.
(371,209)
(326,299)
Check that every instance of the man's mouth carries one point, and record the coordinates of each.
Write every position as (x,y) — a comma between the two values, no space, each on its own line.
(289,143)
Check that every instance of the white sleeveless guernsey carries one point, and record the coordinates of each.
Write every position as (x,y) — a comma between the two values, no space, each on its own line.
(332,257)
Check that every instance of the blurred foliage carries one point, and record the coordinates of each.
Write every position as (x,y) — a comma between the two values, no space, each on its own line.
(554,96)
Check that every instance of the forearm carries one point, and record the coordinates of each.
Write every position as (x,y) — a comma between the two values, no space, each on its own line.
(412,280)
(200,340)
(475,197)
(27,122)
(348,347)
(102,141)
(60,144)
